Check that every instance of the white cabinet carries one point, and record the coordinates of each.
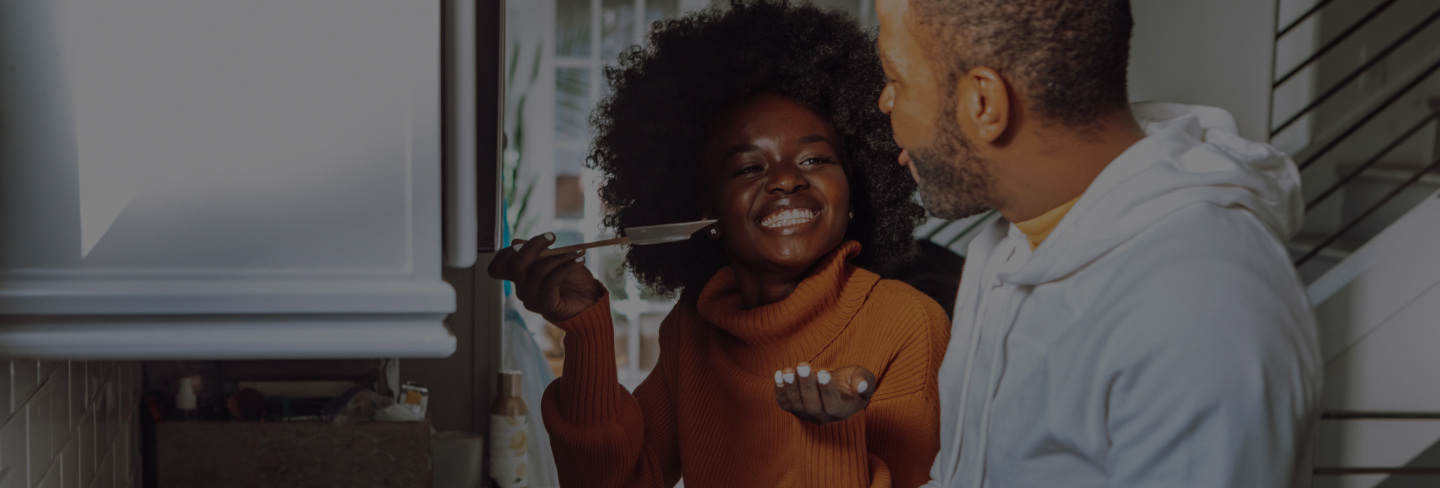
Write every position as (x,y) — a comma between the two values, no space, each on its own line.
(221,179)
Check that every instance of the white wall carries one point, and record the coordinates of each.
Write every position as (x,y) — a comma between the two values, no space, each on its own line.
(1377,315)
(1207,52)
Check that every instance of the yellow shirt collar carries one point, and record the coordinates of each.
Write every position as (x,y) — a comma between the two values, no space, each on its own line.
(1038,228)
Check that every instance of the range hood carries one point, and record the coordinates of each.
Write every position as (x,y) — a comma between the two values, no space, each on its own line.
(258,179)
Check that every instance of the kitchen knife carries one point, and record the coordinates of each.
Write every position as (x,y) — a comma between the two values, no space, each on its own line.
(639,236)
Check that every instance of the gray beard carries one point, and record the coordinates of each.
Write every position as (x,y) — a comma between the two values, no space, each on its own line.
(953,183)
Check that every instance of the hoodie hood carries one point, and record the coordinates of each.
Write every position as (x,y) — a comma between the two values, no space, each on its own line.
(1190,155)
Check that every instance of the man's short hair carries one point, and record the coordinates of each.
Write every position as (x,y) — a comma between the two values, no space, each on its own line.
(1068,57)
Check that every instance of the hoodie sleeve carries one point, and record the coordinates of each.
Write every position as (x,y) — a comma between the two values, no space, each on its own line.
(1213,382)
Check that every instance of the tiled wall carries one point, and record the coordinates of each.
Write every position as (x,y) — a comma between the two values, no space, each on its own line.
(69,424)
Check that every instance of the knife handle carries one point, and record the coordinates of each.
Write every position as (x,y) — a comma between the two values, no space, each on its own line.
(562,250)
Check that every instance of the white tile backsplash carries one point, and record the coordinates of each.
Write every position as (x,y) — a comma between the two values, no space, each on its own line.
(86,436)
(15,449)
(105,476)
(70,474)
(60,402)
(40,427)
(5,386)
(69,424)
(14,454)
(52,476)
(45,368)
(23,379)
(112,409)
(77,389)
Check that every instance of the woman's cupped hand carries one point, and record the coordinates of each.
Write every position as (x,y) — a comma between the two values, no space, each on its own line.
(822,396)
(557,287)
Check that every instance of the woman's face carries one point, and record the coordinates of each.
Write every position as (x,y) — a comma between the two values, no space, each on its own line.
(774,179)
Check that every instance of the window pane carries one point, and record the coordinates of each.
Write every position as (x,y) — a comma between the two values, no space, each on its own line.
(851,7)
(622,339)
(569,192)
(659,10)
(650,339)
(568,238)
(617,27)
(572,28)
(569,161)
(572,103)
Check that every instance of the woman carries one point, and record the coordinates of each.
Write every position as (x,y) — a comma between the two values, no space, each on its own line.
(762,117)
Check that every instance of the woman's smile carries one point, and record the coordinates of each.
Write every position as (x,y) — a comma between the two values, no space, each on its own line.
(789,215)
(788,218)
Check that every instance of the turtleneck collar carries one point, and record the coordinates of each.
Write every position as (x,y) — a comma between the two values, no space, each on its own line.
(818,309)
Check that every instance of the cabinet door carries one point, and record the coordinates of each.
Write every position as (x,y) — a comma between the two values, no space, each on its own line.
(255,178)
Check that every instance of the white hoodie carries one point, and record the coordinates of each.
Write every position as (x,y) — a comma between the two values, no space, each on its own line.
(1159,337)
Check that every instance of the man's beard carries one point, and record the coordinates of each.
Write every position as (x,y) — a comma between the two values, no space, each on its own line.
(954,183)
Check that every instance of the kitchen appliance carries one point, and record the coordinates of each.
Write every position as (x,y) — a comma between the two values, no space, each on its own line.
(259,179)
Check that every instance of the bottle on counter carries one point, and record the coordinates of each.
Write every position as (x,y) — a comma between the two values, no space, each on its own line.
(509,437)
(185,398)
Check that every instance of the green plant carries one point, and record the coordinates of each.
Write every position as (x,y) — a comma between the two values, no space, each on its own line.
(515,187)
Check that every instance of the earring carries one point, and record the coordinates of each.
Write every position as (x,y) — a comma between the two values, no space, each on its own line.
(714,233)
(852,215)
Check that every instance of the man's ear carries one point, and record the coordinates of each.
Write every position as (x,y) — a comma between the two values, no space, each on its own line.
(983,104)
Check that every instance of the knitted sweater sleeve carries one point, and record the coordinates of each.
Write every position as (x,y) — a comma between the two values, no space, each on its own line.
(903,419)
(602,435)
(900,429)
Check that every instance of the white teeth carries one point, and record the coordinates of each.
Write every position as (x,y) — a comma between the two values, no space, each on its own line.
(787,218)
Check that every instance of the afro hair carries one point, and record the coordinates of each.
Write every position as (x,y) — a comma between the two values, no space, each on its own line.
(650,130)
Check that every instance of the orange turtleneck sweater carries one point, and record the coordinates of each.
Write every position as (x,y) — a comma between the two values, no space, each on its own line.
(708,409)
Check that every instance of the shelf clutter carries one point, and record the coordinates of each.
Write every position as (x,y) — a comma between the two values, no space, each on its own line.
(266,424)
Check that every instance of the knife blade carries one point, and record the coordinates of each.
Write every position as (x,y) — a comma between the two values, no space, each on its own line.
(639,236)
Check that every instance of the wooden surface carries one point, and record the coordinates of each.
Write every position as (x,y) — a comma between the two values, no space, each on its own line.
(276,455)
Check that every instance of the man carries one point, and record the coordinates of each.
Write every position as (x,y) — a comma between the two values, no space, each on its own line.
(1133,320)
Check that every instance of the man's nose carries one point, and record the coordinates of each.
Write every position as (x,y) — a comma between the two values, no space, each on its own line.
(887,99)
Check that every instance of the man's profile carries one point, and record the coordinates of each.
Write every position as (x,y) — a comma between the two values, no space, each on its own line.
(1134,319)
